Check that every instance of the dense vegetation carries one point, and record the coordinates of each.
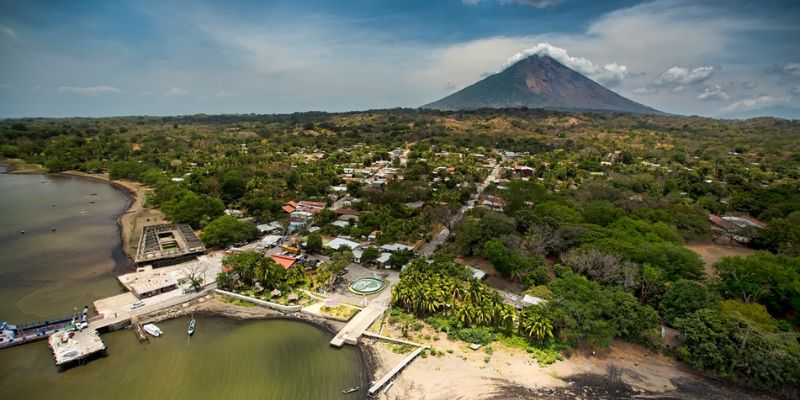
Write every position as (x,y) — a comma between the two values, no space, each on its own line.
(597,227)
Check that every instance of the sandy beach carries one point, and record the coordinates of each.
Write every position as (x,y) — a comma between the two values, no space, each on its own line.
(623,371)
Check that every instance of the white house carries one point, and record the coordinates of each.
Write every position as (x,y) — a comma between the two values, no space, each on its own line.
(338,243)
(393,247)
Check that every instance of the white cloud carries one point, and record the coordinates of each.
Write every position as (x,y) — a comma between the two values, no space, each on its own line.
(175,92)
(795,90)
(225,95)
(7,32)
(534,3)
(749,85)
(645,91)
(679,76)
(89,90)
(754,103)
(609,74)
(713,93)
(789,71)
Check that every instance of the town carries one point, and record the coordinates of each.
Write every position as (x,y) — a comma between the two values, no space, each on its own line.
(364,220)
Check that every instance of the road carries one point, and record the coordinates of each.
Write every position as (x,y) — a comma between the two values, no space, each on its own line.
(427,250)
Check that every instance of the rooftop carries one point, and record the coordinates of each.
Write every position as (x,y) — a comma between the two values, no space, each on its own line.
(167,241)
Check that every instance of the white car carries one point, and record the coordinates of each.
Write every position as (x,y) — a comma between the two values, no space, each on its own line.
(137,305)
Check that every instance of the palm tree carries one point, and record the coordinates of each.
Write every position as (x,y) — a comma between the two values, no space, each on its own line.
(535,325)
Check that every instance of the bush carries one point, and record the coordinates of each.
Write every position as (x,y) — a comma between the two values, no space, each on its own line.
(479,335)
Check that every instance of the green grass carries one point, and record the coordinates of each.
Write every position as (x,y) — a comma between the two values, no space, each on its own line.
(545,354)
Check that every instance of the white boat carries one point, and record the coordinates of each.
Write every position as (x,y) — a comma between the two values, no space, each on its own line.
(153,330)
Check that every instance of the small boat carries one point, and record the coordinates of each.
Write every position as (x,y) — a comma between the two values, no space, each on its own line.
(351,390)
(192,325)
(153,330)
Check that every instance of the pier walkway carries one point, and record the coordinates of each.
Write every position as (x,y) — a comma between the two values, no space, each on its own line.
(394,371)
(358,324)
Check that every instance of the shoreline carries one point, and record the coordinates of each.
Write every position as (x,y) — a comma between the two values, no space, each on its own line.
(135,194)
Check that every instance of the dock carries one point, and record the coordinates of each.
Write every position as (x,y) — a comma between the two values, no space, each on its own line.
(394,371)
(138,330)
(79,345)
(358,325)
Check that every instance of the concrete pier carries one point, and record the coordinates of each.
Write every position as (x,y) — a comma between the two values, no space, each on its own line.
(358,324)
(78,346)
(394,371)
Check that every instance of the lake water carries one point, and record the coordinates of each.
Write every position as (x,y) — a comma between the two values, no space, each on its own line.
(45,273)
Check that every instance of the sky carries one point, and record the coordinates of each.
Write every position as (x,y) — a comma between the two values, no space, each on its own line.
(726,59)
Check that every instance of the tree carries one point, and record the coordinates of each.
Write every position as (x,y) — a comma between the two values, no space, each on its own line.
(707,342)
(227,230)
(771,279)
(369,255)
(601,213)
(314,242)
(339,261)
(739,341)
(682,298)
(576,308)
(187,207)
(400,258)
(534,324)
(781,235)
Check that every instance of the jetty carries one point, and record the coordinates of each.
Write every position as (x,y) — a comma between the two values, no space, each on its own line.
(73,345)
(138,330)
(395,370)
(359,324)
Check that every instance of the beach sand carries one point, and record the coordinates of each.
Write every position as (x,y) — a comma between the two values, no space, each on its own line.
(622,371)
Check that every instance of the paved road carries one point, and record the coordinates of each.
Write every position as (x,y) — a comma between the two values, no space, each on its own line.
(427,250)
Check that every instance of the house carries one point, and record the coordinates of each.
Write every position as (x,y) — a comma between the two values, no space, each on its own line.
(340,224)
(339,243)
(416,205)
(477,274)
(347,218)
(284,261)
(494,203)
(524,170)
(289,207)
(357,253)
(270,241)
(393,247)
(347,211)
(302,216)
(272,228)
(234,213)
(373,235)
(383,260)
(311,207)
(533,300)
(732,226)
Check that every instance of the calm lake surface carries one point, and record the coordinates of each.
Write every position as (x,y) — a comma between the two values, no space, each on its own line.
(45,273)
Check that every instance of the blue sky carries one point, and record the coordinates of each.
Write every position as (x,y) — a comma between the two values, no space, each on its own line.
(101,58)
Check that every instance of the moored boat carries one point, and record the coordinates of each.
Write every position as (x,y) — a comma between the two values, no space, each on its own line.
(152,330)
(351,390)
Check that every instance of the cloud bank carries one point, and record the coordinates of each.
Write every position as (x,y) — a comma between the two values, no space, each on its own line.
(89,90)
(609,74)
